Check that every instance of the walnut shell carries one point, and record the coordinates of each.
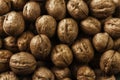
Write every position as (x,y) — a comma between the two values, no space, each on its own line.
(13,24)
(85,73)
(67,30)
(83,50)
(102,42)
(4,60)
(56,8)
(46,25)
(9,75)
(5,6)
(31,10)
(22,63)
(110,62)
(78,9)
(102,8)
(61,55)
(112,27)
(40,46)
(43,73)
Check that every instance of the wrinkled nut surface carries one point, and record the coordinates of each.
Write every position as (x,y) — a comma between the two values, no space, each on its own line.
(85,73)
(61,73)
(102,8)
(46,25)
(59,39)
(103,42)
(61,55)
(13,24)
(56,8)
(43,73)
(18,4)
(101,76)
(67,30)
(40,46)
(112,27)
(23,41)
(5,6)
(91,26)
(22,63)
(31,11)
(110,62)
(83,50)
(10,43)
(8,76)
(4,60)
(78,9)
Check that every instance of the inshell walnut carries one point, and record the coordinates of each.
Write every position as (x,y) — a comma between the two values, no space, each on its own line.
(9,75)
(23,41)
(110,62)
(46,24)
(56,8)
(83,50)
(85,73)
(31,11)
(102,42)
(22,63)
(67,30)
(102,8)
(91,26)
(61,73)
(4,59)
(78,9)
(13,24)
(61,55)
(10,43)
(40,46)
(43,73)
(112,27)
(5,6)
